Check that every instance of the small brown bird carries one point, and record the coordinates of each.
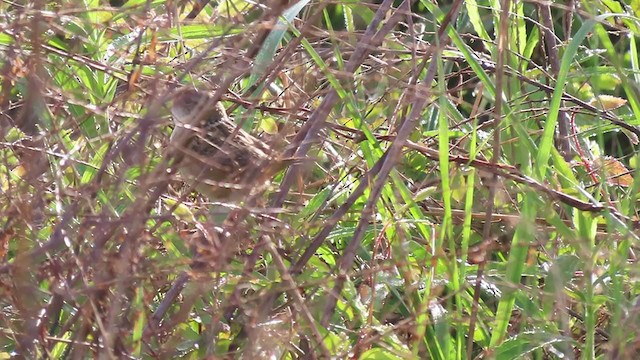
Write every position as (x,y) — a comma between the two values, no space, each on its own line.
(221,160)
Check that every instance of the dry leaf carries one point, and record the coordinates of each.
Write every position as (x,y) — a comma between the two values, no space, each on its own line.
(607,102)
(616,172)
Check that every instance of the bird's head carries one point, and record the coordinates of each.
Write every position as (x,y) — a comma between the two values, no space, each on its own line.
(188,105)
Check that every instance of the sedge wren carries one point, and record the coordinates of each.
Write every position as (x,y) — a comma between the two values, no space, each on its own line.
(213,154)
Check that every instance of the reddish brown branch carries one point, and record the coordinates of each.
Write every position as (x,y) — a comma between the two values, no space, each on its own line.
(419,101)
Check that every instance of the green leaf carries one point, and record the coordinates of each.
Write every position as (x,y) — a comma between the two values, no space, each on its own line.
(546,142)
(180,210)
(266,54)
(523,344)
(269,125)
(380,354)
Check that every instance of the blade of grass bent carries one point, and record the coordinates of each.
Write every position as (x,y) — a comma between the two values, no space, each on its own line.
(546,142)
(270,46)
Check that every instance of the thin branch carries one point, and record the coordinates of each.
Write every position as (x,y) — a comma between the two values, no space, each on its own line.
(421,97)
(563,141)
(308,135)
(505,7)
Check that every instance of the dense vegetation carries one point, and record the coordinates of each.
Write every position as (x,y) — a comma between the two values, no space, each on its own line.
(461,182)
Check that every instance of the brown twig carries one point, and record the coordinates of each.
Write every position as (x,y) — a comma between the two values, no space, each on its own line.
(168,300)
(563,141)
(197,8)
(308,134)
(505,9)
(420,99)
(298,300)
(490,66)
(512,173)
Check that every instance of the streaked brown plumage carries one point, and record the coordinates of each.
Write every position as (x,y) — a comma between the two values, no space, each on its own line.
(215,155)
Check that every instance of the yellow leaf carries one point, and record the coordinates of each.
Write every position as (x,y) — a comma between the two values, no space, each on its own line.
(458,186)
(19,171)
(269,125)
(181,211)
(616,172)
(426,193)
(607,102)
